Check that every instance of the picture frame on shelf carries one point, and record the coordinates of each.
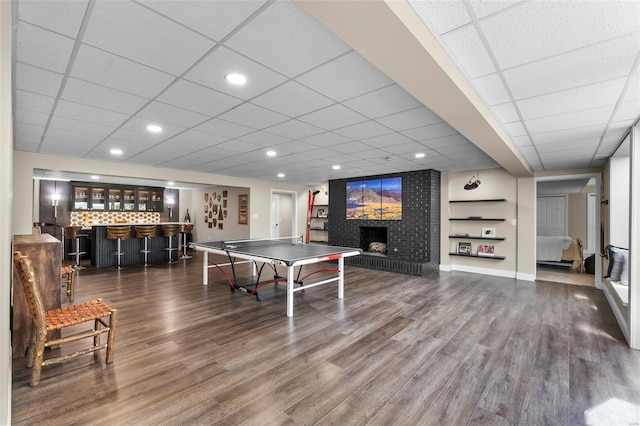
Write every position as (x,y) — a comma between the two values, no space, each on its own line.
(464,248)
(486,250)
(321,213)
(488,232)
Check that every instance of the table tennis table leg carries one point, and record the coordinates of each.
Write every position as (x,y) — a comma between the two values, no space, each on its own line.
(290,272)
(205,268)
(341,278)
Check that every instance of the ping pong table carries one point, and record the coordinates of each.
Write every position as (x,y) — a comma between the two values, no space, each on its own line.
(289,252)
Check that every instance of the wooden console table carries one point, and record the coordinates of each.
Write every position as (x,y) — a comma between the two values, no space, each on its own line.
(44,250)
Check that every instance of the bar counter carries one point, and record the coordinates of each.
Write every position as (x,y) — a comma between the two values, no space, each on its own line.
(103,249)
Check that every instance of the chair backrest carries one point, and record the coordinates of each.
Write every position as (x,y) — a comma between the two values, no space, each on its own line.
(115,232)
(71,232)
(36,306)
(170,230)
(145,231)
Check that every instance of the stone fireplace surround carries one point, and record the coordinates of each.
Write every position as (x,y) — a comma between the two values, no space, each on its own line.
(413,243)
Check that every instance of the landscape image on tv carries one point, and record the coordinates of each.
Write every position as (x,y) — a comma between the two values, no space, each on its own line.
(375,199)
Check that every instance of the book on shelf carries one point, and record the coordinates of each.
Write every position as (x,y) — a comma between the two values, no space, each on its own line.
(486,250)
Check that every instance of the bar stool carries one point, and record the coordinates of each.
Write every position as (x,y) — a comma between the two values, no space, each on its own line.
(119,233)
(146,232)
(186,230)
(171,231)
(71,232)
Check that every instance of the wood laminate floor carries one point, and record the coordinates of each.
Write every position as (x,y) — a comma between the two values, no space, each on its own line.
(450,348)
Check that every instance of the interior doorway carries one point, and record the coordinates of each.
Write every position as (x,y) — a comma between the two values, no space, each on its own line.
(284,210)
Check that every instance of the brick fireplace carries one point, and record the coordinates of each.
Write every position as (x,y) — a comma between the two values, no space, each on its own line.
(413,243)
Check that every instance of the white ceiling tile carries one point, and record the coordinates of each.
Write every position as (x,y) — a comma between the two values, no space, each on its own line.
(138,139)
(224,128)
(201,138)
(294,147)
(491,89)
(570,120)
(294,129)
(326,139)
(106,69)
(633,90)
(80,126)
(582,145)
(174,147)
(352,147)
(456,149)
(134,32)
(222,61)
(569,134)
(101,97)
(253,116)
(61,16)
(67,151)
(345,77)
(387,140)
(25,145)
(238,146)
(31,117)
(442,16)
(577,99)
(37,80)
(411,147)
(42,48)
(292,99)
(559,26)
(33,102)
(514,129)
(215,19)
(484,8)
(72,136)
(505,113)
(600,62)
(333,117)
(627,111)
(469,52)
(264,138)
(430,132)
(163,113)
(286,39)
(29,133)
(386,101)
(90,114)
(194,97)
(451,140)
(521,140)
(365,130)
(410,119)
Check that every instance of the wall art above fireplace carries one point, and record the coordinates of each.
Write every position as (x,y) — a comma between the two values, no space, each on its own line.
(375,199)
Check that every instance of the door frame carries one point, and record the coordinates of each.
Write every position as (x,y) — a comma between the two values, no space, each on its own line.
(294,210)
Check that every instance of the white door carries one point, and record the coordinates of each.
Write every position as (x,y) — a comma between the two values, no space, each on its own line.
(275,216)
(552,216)
(591,223)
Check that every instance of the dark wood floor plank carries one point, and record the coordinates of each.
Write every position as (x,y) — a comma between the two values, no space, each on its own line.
(452,348)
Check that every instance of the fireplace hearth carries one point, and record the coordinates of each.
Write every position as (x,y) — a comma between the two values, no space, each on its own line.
(373,240)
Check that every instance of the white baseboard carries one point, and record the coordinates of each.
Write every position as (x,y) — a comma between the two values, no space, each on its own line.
(525,277)
(622,322)
(483,271)
(445,268)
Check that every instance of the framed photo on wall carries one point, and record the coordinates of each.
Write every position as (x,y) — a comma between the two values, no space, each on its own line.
(488,232)
(485,250)
(243,209)
(464,248)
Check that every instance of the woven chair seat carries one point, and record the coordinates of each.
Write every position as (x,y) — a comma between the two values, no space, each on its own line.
(76,314)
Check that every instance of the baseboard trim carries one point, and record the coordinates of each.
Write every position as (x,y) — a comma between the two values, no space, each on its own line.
(525,277)
(484,271)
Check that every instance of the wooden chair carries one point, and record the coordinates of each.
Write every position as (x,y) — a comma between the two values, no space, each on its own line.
(69,271)
(104,318)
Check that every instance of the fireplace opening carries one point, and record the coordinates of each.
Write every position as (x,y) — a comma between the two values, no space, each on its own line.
(373,240)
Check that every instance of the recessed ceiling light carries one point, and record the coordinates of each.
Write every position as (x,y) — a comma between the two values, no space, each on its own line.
(336,167)
(116,151)
(280,175)
(271,153)
(95,177)
(420,155)
(154,129)
(235,78)
(171,183)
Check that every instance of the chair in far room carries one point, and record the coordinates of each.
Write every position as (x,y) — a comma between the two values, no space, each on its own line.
(43,322)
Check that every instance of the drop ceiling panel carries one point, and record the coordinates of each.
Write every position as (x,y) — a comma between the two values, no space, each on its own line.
(29,133)
(139,125)
(386,101)
(411,147)
(326,139)
(387,140)
(292,99)
(264,139)
(442,16)
(333,117)
(562,135)
(294,129)
(31,117)
(174,148)
(134,32)
(430,132)
(196,98)
(410,119)
(43,49)
(128,137)
(60,136)
(583,145)
(238,146)
(506,112)
(62,16)
(294,147)
(491,89)
(600,62)
(222,61)
(345,77)
(65,150)
(571,120)
(106,69)
(223,128)
(581,98)
(626,111)
(253,116)
(101,97)
(158,112)
(368,129)
(37,80)
(80,126)
(213,19)
(90,114)
(287,40)
(472,55)
(200,138)
(33,102)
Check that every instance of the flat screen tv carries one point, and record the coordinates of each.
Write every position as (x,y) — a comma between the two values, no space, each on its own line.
(375,199)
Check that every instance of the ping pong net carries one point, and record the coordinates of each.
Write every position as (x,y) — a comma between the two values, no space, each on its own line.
(259,242)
